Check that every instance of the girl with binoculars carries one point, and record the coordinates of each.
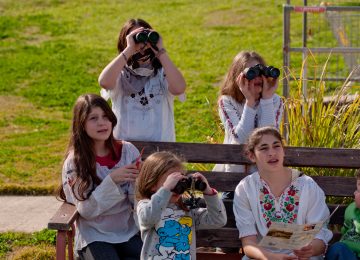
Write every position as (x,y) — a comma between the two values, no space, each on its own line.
(142,82)
(248,100)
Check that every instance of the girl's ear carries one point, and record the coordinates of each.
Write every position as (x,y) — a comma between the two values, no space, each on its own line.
(251,156)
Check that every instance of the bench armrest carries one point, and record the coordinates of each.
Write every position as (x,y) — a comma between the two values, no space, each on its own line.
(64,217)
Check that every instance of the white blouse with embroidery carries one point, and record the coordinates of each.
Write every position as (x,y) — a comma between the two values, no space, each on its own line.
(302,202)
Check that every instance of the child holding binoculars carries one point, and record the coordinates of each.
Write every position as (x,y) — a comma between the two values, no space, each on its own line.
(167,226)
(248,100)
(142,82)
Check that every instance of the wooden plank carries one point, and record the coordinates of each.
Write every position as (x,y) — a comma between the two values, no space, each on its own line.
(229,153)
(223,237)
(64,217)
(332,185)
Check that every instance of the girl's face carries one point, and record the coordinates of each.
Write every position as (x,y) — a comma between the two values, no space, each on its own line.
(97,125)
(268,154)
(357,193)
(175,197)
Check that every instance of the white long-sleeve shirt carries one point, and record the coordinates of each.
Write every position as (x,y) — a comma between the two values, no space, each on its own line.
(108,214)
(253,212)
(239,120)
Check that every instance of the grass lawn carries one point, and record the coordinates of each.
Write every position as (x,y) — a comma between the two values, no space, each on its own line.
(53,51)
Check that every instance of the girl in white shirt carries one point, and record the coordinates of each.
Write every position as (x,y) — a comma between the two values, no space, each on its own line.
(276,193)
(142,82)
(98,177)
(245,104)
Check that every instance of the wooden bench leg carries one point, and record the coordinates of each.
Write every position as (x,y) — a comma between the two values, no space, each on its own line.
(70,238)
(60,245)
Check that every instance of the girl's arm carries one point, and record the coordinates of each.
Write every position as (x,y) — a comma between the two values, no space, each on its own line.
(316,208)
(271,111)
(111,191)
(253,251)
(238,119)
(214,215)
(107,78)
(149,210)
(173,76)
(102,199)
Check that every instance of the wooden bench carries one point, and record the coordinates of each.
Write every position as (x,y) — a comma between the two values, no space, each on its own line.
(227,237)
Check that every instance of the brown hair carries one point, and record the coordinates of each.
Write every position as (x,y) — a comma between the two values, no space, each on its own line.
(153,168)
(258,133)
(82,145)
(229,86)
(121,44)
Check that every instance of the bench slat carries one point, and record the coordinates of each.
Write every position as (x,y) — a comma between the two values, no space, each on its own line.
(332,185)
(233,153)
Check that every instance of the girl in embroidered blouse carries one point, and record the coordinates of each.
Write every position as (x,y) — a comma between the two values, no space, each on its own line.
(98,177)
(276,193)
(142,82)
(247,104)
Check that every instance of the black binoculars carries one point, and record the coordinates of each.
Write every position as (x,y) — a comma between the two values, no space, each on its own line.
(186,184)
(147,36)
(259,69)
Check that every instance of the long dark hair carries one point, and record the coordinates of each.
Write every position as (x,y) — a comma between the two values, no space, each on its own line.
(121,44)
(81,145)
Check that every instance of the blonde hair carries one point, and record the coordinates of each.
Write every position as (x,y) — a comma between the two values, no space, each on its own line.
(229,86)
(153,168)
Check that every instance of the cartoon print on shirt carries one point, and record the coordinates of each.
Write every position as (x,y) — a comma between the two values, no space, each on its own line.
(174,236)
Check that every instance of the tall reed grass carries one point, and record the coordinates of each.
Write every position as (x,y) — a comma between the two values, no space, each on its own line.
(315,121)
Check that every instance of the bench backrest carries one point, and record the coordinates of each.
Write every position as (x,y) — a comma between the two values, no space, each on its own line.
(224,181)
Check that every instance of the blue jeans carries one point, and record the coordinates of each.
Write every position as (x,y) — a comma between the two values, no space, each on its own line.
(98,250)
(340,251)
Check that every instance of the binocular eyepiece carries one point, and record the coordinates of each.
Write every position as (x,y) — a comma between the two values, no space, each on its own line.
(259,69)
(146,36)
(186,184)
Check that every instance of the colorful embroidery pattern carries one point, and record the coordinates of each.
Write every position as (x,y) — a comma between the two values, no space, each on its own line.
(288,205)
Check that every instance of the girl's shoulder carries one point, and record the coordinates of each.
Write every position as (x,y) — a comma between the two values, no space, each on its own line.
(303,180)
(128,145)
(226,100)
(250,180)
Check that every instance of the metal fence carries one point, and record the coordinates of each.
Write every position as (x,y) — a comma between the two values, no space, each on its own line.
(327,37)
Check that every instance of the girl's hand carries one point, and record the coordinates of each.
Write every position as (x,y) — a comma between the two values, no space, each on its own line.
(247,88)
(199,176)
(127,173)
(159,46)
(305,252)
(131,46)
(172,179)
(269,86)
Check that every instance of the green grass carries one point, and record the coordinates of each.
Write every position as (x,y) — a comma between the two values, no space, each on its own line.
(38,245)
(52,51)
